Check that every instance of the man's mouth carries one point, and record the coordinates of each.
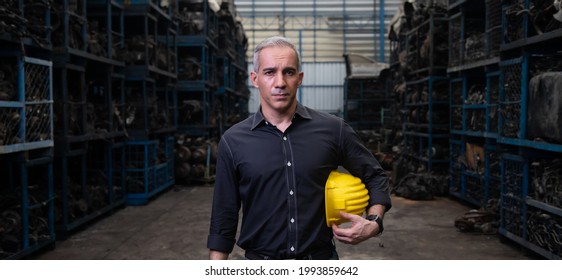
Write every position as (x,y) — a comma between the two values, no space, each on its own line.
(278,93)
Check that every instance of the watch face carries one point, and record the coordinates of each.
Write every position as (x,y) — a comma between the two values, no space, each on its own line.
(372,217)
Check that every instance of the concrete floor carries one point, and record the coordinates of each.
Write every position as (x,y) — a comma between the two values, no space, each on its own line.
(174,225)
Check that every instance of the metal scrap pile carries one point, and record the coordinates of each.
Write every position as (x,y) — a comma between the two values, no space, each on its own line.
(546,182)
(543,16)
(194,159)
(33,25)
(423,186)
(12,225)
(544,117)
(424,48)
(478,221)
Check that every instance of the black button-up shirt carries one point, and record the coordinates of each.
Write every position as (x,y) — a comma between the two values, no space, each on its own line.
(279,178)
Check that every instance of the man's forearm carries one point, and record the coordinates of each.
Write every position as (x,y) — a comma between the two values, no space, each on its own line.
(217,255)
(377,209)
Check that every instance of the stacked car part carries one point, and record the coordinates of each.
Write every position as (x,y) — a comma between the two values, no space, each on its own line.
(504,110)
(420,88)
(501,95)
(26,130)
(89,106)
(474,90)
(150,95)
(88,96)
(212,88)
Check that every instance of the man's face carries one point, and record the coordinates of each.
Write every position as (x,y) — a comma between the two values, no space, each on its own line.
(277,79)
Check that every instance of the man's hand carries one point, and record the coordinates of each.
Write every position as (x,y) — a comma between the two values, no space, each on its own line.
(360,230)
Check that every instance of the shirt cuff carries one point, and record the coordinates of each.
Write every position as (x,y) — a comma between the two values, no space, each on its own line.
(380,198)
(220,243)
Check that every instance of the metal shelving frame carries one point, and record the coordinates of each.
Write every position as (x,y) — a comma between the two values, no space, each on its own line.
(28,180)
(510,63)
(147,172)
(474,101)
(424,131)
(428,65)
(28,117)
(91,111)
(199,50)
(366,103)
(26,138)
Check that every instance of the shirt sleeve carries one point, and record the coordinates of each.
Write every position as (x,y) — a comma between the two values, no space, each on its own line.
(226,202)
(361,163)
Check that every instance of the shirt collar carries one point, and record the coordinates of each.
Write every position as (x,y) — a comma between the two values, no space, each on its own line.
(301,111)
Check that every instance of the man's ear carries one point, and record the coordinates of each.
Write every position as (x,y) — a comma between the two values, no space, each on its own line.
(254,78)
(301,76)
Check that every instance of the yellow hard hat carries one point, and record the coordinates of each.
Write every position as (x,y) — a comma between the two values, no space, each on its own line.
(346,193)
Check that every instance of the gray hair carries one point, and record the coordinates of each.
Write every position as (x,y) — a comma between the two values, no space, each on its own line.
(275,41)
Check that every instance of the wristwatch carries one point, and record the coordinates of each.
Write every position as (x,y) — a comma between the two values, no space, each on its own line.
(378,220)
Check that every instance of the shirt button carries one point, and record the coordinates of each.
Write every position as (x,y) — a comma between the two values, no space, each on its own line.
(285,138)
(292,220)
(291,192)
(292,249)
(289,163)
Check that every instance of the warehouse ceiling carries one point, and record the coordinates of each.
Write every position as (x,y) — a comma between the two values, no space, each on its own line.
(322,29)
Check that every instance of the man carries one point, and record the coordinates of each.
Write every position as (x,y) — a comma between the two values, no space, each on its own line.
(275,165)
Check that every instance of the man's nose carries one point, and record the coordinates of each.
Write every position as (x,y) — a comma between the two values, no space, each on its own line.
(280,80)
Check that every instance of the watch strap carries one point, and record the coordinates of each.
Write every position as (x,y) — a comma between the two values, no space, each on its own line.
(378,220)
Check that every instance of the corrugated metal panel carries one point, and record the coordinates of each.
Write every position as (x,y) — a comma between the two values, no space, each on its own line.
(327,99)
(325,36)
(324,74)
(322,87)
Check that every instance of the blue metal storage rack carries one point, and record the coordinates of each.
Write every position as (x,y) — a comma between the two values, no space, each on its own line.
(366,103)
(26,24)
(151,73)
(26,206)
(232,70)
(86,187)
(474,101)
(529,215)
(423,56)
(90,108)
(426,125)
(198,111)
(148,169)
(27,111)
(151,69)
(512,53)
(151,39)
(423,93)
(26,152)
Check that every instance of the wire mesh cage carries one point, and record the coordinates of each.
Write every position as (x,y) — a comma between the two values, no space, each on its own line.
(147,169)
(475,190)
(26,203)
(545,230)
(455,39)
(515,21)
(493,27)
(26,118)
(511,93)
(512,204)
(456,166)
(492,97)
